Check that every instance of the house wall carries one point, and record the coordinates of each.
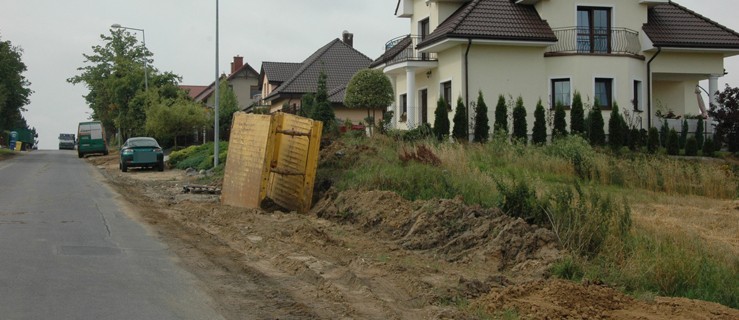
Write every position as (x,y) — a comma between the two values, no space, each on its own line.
(689,63)
(242,89)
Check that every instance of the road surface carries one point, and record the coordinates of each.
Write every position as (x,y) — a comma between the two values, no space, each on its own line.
(71,249)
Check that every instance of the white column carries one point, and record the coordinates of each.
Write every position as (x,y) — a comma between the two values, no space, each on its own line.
(410,74)
(713,88)
(394,106)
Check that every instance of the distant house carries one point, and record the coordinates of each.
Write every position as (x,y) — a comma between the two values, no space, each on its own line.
(193,91)
(643,54)
(244,81)
(284,84)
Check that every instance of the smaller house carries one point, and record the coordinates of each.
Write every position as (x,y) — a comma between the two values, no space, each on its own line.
(284,84)
(244,81)
(193,91)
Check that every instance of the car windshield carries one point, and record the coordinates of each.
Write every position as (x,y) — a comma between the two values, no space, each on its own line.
(142,143)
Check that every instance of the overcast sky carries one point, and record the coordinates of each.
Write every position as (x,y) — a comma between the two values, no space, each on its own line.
(181,34)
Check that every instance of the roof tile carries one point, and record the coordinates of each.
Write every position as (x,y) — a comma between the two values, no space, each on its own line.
(672,25)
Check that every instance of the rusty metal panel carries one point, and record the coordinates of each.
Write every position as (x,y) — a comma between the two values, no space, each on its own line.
(292,172)
(244,180)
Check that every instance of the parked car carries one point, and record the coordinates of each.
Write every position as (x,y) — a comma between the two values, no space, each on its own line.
(91,135)
(67,141)
(142,152)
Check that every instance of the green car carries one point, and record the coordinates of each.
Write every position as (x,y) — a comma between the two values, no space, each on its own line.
(141,152)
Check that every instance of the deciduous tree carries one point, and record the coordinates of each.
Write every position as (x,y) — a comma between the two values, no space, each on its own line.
(370,89)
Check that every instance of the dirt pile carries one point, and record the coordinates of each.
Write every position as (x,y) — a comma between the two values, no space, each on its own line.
(559,299)
(446,228)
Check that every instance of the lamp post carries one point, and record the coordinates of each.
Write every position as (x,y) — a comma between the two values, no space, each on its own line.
(146,70)
(216,84)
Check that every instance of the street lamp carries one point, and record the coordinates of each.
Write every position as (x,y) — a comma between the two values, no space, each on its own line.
(143,34)
(216,84)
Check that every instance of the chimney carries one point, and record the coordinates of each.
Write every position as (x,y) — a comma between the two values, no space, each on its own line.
(237,64)
(348,38)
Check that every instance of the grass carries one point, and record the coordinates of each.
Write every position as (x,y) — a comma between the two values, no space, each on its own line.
(4,152)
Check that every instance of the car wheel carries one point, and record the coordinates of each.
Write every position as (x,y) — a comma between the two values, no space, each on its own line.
(80,155)
(124,168)
(105,152)
(160,166)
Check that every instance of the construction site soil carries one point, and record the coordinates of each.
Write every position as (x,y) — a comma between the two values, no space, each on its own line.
(373,255)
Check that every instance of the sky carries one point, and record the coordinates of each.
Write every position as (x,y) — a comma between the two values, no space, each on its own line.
(181,33)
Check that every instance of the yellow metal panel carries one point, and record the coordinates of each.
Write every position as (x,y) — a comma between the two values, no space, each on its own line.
(291,168)
(243,179)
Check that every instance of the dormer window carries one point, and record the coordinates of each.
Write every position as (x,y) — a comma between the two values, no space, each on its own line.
(593,30)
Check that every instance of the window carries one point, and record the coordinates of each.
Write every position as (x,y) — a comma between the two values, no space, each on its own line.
(254,91)
(593,30)
(403,107)
(604,92)
(423,32)
(637,96)
(561,92)
(446,93)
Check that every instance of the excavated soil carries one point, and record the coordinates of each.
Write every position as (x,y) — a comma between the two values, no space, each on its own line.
(373,255)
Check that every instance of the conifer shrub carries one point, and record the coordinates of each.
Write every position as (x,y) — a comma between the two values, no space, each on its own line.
(441,120)
(691,147)
(461,127)
(577,115)
(615,126)
(673,143)
(501,117)
(539,136)
(699,138)
(597,135)
(520,128)
(653,143)
(482,124)
(684,134)
(708,147)
(560,124)
(663,131)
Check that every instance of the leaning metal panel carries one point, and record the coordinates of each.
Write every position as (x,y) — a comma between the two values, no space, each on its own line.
(244,182)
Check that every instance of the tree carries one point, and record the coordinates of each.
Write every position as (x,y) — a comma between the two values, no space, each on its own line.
(683,134)
(653,140)
(228,104)
(577,115)
(461,125)
(597,135)
(371,89)
(726,112)
(500,126)
(322,107)
(114,73)
(307,105)
(663,132)
(171,118)
(615,126)
(441,120)
(482,124)
(14,87)
(560,124)
(691,147)
(520,128)
(539,134)
(708,147)
(699,138)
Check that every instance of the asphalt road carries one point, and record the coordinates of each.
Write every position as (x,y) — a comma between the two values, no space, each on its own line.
(69,249)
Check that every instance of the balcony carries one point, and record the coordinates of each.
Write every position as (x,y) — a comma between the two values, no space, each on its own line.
(595,41)
(403,49)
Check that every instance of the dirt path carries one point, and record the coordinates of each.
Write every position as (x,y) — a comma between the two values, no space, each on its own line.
(373,255)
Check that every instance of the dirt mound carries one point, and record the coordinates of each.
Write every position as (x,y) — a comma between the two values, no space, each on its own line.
(559,299)
(448,228)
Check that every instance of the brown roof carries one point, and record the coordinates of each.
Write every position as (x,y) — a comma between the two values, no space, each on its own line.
(337,59)
(672,25)
(193,91)
(398,46)
(246,69)
(279,71)
(493,20)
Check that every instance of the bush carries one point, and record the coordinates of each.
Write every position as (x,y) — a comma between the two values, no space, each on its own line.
(560,124)
(708,148)
(577,115)
(597,135)
(684,134)
(575,150)
(501,117)
(635,142)
(198,157)
(520,128)
(461,125)
(482,124)
(540,125)
(441,120)
(699,133)
(663,132)
(726,112)
(691,147)
(518,199)
(673,143)
(653,140)
(615,132)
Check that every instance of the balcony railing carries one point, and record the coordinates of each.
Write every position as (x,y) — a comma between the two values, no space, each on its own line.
(403,49)
(577,40)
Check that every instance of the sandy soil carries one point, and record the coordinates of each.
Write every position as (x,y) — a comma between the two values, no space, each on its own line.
(374,255)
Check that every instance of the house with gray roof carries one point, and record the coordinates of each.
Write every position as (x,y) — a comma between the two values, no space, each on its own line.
(645,55)
(284,84)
